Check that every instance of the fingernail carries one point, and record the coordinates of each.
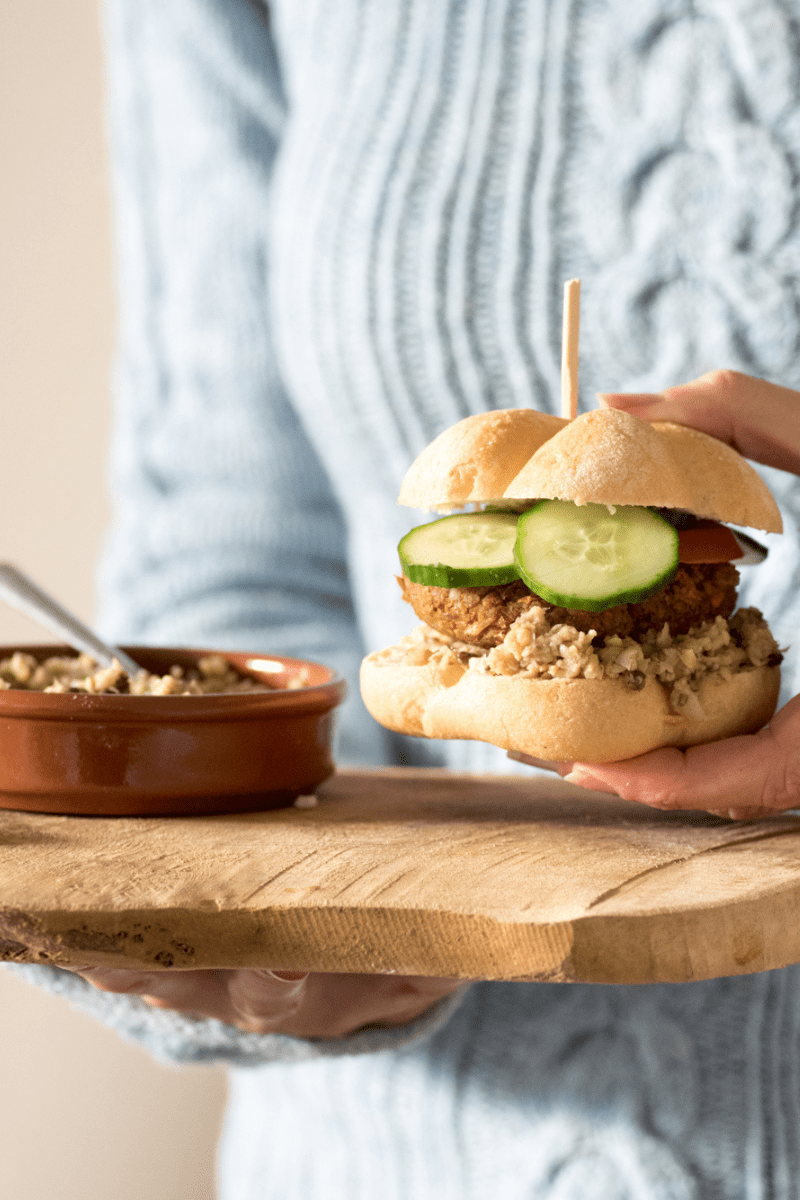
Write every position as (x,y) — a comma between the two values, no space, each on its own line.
(287,976)
(576,775)
(250,1007)
(586,779)
(518,756)
(546,764)
(112,980)
(628,400)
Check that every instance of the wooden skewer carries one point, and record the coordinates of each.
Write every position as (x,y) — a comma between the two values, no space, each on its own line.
(569,349)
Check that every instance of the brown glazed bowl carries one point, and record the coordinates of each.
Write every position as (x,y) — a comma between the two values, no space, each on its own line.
(111,755)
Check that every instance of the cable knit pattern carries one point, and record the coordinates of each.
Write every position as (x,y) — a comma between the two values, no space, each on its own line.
(331,248)
(681,189)
(600,1094)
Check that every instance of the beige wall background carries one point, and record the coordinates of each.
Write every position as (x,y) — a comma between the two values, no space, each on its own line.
(82,1116)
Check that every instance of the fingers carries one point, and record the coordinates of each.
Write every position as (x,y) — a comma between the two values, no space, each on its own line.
(741,777)
(545,764)
(193,993)
(263,1001)
(337,1005)
(256,1001)
(634,779)
(759,419)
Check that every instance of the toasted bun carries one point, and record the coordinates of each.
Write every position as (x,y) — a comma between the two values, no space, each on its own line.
(603,457)
(564,720)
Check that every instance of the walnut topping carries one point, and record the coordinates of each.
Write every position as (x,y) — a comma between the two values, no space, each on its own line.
(80,673)
(534,649)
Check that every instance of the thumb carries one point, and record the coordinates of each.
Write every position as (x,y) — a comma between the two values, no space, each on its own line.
(759,419)
(259,999)
(741,776)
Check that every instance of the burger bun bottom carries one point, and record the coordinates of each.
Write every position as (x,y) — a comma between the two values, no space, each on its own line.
(562,720)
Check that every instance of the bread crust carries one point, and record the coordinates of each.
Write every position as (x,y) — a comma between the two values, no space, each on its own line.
(564,720)
(605,456)
(477,458)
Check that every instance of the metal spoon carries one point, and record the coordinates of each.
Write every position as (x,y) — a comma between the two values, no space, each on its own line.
(28,597)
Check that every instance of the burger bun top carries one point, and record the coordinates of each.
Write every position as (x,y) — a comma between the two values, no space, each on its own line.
(605,456)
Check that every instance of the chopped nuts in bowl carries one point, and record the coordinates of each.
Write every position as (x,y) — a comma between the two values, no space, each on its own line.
(196,731)
(211,674)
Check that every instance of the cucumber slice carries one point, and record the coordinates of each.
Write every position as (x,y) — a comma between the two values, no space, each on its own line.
(583,556)
(466,550)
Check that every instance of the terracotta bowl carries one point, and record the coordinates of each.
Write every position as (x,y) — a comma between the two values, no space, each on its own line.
(169,755)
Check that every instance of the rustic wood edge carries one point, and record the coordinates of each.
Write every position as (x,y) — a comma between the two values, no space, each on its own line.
(611,949)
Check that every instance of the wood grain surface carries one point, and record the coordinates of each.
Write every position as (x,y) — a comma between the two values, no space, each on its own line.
(410,871)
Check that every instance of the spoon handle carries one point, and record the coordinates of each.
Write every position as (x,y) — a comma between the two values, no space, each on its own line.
(28,597)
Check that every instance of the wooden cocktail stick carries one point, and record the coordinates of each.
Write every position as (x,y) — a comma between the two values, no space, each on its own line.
(569,349)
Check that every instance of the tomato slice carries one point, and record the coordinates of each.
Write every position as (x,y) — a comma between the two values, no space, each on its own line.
(708,542)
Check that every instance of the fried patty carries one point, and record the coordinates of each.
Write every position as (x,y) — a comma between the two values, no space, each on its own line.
(483,615)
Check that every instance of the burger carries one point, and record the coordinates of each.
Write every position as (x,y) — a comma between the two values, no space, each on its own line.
(578,591)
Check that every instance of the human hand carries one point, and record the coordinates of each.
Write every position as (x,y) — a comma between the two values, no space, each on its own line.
(761,420)
(287,1002)
(741,777)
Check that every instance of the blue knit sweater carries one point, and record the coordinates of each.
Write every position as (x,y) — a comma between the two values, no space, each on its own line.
(339,232)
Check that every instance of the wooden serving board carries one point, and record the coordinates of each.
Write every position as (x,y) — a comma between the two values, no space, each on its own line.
(415,872)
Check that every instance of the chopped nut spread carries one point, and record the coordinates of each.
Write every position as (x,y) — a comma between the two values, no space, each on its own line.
(535,649)
(212,674)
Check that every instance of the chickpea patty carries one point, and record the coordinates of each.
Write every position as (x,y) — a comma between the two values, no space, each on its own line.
(483,616)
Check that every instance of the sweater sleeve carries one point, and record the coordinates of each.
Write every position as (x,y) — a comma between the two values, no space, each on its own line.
(170,1037)
(226,532)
